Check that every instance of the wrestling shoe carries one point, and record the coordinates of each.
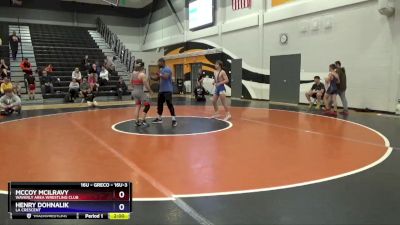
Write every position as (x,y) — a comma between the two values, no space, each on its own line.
(157,120)
(138,123)
(145,124)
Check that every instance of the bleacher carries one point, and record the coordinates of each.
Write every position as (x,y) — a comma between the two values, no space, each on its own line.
(4,48)
(64,47)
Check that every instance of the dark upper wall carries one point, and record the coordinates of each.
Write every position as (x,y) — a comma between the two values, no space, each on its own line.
(57,5)
(70,13)
(42,16)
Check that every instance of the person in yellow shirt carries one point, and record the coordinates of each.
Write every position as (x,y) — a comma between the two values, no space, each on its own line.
(6,85)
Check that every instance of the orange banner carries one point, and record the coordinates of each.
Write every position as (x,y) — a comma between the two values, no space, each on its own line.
(280,2)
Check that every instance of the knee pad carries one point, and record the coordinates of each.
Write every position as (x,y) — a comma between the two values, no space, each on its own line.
(146,107)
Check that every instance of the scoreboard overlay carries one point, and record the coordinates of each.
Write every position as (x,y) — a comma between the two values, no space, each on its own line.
(70,200)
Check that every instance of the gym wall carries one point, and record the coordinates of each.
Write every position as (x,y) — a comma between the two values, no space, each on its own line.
(321,30)
(131,36)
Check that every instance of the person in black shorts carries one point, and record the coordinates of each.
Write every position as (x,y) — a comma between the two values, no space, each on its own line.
(30,80)
(342,86)
(317,91)
(165,92)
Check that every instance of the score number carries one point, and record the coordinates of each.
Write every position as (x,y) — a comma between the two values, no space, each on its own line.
(121,195)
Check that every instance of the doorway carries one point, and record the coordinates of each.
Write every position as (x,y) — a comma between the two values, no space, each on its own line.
(285,78)
(236,78)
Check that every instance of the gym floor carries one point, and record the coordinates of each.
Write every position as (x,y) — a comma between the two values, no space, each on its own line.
(271,164)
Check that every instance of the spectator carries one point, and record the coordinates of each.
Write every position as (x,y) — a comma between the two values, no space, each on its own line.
(74,89)
(4,70)
(180,85)
(91,99)
(109,64)
(76,74)
(85,89)
(46,83)
(5,85)
(199,90)
(93,69)
(10,103)
(25,82)
(85,64)
(103,76)
(3,74)
(49,68)
(98,68)
(87,93)
(200,78)
(16,88)
(342,87)
(200,93)
(14,42)
(121,88)
(39,71)
(317,92)
(3,64)
(30,80)
(91,93)
(92,80)
(26,66)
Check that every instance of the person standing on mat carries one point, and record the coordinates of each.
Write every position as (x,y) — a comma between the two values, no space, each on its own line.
(342,86)
(220,79)
(14,41)
(165,93)
(330,96)
(139,81)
